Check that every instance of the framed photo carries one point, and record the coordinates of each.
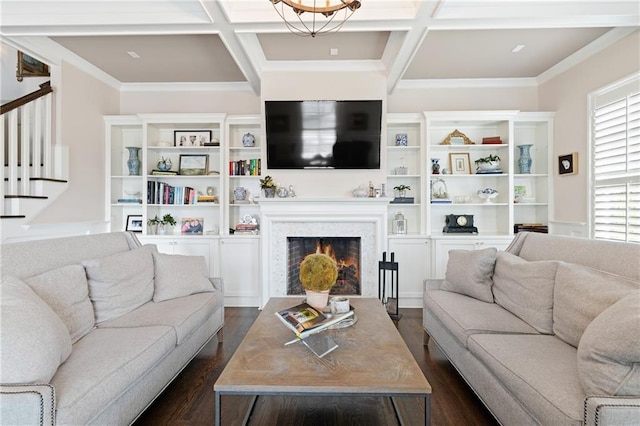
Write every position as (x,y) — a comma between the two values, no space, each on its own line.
(134,223)
(191,137)
(30,67)
(192,225)
(568,164)
(193,164)
(460,163)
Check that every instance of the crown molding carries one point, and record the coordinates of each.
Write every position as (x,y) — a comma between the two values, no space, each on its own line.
(455,83)
(238,86)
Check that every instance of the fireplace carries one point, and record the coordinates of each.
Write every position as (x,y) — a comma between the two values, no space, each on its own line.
(285,218)
(344,250)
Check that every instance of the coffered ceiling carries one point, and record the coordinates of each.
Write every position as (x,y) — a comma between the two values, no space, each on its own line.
(138,42)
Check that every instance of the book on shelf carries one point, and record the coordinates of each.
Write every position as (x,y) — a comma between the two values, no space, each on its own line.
(403,200)
(207,198)
(440,201)
(489,172)
(304,319)
(492,140)
(129,201)
(163,173)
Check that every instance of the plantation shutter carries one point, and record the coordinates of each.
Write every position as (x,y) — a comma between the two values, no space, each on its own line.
(616,168)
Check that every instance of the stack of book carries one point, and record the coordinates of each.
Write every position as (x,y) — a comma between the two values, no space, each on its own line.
(492,140)
(207,199)
(246,229)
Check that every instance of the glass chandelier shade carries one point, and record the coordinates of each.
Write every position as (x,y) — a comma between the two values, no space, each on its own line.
(335,12)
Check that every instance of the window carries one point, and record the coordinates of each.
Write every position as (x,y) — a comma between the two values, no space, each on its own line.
(616,162)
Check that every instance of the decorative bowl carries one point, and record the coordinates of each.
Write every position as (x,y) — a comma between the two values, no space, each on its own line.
(487,195)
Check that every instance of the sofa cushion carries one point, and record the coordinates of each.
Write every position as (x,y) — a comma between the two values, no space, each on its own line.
(104,364)
(67,292)
(540,371)
(121,282)
(464,316)
(582,293)
(470,271)
(184,314)
(526,289)
(179,276)
(33,339)
(609,350)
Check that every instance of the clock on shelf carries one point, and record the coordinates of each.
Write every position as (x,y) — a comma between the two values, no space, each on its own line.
(459,224)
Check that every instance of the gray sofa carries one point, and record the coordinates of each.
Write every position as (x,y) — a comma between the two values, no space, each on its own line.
(546,332)
(94,327)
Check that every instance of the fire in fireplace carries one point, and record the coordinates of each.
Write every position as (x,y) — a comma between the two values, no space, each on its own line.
(345,251)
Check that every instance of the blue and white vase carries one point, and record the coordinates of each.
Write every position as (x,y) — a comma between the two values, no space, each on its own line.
(248,140)
(240,193)
(133,163)
(402,139)
(524,162)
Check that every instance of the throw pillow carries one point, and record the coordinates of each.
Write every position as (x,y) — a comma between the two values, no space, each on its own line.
(470,272)
(609,351)
(179,276)
(66,291)
(120,283)
(33,339)
(526,289)
(581,294)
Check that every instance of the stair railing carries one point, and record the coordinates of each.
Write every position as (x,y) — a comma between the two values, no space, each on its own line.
(27,148)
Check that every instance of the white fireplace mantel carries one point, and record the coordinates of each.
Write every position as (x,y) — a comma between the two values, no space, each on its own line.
(280,218)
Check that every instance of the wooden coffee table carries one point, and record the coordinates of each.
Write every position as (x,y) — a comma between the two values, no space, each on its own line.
(371,360)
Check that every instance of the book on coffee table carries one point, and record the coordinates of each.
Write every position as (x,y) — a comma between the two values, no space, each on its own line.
(304,319)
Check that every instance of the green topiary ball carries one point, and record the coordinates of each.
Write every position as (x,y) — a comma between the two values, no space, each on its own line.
(318,272)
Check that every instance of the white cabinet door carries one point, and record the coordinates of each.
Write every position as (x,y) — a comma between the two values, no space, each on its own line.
(414,257)
(240,270)
(442,247)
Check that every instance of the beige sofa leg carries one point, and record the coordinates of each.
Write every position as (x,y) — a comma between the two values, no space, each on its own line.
(220,335)
(425,338)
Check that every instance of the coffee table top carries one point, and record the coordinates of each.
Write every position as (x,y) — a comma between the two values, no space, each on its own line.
(371,358)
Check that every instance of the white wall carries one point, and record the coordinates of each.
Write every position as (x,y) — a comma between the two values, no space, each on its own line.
(567,95)
(82,102)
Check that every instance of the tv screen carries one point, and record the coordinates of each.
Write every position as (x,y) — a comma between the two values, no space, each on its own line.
(323,134)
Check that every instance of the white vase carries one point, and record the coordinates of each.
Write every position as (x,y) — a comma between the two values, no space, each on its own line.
(318,299)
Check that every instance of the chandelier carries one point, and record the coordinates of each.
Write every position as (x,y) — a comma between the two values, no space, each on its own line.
(336,13)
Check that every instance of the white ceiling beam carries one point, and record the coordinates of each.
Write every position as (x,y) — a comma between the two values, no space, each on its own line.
(232,42)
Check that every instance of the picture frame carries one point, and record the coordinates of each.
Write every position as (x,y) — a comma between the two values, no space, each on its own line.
(30,67)
(134,223)
(460,163)
(192,226)
(193,164)
(568,164)
(191,138)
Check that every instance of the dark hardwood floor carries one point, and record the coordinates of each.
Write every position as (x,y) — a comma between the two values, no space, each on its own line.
(189,400)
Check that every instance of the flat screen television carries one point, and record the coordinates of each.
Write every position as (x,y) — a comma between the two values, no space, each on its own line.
(341,134)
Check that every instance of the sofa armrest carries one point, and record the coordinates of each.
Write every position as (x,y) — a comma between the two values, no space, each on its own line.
(432,284)
(611,410)
(29,404)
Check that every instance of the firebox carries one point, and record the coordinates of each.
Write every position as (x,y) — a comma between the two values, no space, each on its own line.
(345,251)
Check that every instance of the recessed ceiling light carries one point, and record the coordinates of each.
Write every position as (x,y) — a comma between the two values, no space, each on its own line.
(133,54)
(517,48)
(333,52)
